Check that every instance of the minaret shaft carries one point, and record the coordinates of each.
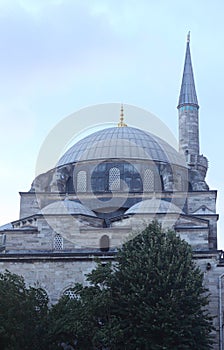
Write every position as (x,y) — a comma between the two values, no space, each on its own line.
(188,130)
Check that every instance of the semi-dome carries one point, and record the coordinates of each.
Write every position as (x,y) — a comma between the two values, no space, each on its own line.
(66,207)
(121,142)
(152,206)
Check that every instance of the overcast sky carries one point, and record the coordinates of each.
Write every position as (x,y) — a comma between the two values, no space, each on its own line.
(57,56)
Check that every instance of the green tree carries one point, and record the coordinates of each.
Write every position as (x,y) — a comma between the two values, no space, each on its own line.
(78,322)
(23,316)
(151,298)
(158,294)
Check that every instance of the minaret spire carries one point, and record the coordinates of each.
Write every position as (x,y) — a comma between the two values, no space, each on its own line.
(188,94)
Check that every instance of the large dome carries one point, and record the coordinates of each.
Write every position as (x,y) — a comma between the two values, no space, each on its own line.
(121,142)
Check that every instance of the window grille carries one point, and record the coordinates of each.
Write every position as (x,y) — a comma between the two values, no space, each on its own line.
(70,293)
(81,181)
(148,180)
(114,179)
(58,242)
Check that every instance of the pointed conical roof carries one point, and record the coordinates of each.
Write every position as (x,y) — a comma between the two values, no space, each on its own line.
(188,94)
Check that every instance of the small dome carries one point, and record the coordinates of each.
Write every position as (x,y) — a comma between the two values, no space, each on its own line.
(121,143)
(6,227)
(153,206)
(66,207)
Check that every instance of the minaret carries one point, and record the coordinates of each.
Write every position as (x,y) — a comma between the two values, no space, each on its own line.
(188,127)
(188,109)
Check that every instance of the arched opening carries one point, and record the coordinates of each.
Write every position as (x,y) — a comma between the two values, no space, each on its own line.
(58,242)
(114,179)
(81,181)
(148,184)
(70,293)
(104,243)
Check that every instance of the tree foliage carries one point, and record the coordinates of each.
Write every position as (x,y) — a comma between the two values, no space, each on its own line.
(152,298)
(23,315)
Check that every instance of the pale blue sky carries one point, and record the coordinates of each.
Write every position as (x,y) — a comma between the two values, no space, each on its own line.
(57,56)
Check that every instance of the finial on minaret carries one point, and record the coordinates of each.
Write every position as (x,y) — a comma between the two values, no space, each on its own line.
(121,124)
(188,37)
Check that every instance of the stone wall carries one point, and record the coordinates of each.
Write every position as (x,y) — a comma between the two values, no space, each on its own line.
(56,274)
(212,271)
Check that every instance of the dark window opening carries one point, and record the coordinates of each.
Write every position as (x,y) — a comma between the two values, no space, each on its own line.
(104,243)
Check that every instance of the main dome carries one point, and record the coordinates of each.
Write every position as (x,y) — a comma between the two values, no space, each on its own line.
(121,142)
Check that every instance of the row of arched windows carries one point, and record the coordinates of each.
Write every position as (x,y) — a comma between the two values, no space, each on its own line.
(114,180)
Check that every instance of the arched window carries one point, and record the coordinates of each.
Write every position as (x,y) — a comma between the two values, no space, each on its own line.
(104,243)
(114,179)
(70,293)
(81,181)
(58,242)
(148,180)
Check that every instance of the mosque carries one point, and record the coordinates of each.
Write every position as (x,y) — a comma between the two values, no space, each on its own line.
(107,185)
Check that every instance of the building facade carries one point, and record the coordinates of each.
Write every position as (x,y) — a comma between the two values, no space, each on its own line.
(107,185)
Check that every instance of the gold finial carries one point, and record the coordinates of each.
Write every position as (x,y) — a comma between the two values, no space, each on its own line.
(188,37)
(121,124)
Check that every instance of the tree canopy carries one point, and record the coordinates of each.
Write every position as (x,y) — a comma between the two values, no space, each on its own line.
(151,297)
(23,316)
